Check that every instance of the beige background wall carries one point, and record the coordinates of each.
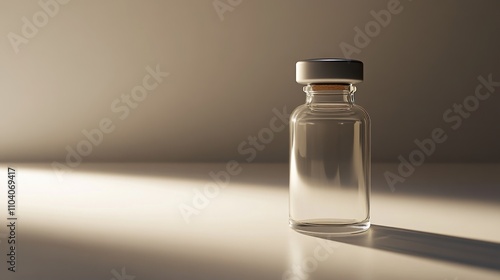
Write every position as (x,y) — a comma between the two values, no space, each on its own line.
(229,70)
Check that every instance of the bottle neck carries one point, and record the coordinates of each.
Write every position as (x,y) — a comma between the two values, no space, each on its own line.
(328,95)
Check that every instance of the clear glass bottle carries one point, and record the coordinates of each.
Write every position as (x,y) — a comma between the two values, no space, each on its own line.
(329,151)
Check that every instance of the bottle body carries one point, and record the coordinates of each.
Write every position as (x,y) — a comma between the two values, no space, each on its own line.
(330,162)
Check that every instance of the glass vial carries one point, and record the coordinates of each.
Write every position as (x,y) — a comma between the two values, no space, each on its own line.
(329,151)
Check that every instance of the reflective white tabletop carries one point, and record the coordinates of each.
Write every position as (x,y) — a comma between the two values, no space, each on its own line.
(172,221)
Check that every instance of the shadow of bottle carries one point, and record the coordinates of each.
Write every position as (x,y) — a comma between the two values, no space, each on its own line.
(428,245)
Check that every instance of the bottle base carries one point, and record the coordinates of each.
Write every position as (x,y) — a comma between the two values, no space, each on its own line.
(329,229)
